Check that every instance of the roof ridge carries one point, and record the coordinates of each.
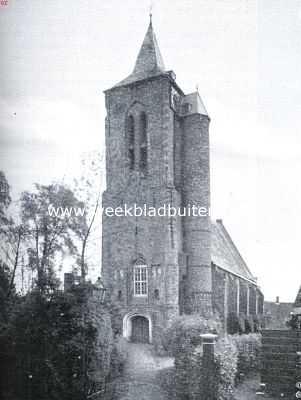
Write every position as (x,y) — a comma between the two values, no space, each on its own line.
(297,302)
(236,252)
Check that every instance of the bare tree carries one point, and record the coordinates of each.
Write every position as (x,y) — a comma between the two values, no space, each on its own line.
(88,189)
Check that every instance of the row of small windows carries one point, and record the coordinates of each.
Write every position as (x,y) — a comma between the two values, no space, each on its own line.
(137,141)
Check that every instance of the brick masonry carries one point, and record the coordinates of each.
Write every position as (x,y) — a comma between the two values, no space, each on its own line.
(176,250)
(230,295)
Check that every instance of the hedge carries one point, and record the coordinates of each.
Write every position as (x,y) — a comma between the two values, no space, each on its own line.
(249,350)
(190,377)
(234,355)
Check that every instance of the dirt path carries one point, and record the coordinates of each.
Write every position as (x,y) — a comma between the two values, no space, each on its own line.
(141,378)
(247,390)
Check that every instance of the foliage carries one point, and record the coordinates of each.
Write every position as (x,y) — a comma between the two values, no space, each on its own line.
(294,322)
(118,357)
(12,235)
(88,189)
(234,355)
(182,341)
(249,350)
(54,346)
(233,324)
(5,200)
(226,359)
(185,332)
(51,234)
(5,284)
(193,377)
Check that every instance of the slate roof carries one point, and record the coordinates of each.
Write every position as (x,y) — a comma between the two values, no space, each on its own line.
(197,105)
(298,299)
(149,62)
(224,253)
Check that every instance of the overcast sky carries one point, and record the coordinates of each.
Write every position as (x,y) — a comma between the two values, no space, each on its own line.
(58,56)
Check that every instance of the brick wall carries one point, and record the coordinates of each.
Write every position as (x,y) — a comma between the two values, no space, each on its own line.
(157,239)
(227,288)
(178,173)
(196,191)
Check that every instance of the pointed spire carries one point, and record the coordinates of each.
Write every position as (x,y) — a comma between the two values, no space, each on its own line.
(149,61)
(149,58)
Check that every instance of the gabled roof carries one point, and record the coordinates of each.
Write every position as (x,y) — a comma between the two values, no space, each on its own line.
(149,62)
(298,299)
(224,253)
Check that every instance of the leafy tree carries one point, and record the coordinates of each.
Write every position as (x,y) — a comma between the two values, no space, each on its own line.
(5,200)
(4,288)
(50,229)
(12,235)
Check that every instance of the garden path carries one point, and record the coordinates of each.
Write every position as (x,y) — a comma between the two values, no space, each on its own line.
(141,379)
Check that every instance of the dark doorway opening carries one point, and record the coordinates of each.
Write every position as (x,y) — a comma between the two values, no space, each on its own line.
(140,329)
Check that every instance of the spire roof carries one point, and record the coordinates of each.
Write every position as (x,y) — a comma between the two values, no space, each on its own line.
(298,299)
(149,61)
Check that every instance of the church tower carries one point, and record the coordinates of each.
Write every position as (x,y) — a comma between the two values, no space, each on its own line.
(157,153)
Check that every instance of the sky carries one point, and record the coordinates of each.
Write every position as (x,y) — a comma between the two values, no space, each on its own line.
(57,58)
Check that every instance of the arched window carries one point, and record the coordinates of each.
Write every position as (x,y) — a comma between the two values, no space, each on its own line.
(140,280)
(143,142)
(131,140)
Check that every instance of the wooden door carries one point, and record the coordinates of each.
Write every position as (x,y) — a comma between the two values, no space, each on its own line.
(140,329)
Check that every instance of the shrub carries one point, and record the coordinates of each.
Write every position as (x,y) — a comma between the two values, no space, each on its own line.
(233,324)
(185,332)
(118,357)
(191,376)
(294,322)
(226,358)
(220,378)
(249,349)
(234,355)
(59,346)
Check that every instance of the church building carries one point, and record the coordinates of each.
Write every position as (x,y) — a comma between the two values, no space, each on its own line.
(156,268)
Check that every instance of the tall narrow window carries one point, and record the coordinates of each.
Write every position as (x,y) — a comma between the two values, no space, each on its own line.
(131,140)
(143,142)
(140,280)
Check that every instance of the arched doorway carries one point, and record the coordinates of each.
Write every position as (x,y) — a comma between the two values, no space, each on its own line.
(137,327)
(140,329)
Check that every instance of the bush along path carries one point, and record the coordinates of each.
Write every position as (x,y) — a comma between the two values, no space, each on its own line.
(141,377)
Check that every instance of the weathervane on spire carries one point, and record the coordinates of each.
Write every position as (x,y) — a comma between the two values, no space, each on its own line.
(151,12)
